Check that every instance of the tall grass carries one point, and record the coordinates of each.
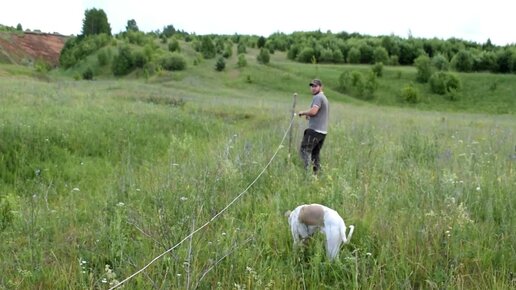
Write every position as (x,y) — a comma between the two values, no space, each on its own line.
(98,178)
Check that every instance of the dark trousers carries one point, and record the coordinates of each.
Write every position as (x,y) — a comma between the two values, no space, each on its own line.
(311,147)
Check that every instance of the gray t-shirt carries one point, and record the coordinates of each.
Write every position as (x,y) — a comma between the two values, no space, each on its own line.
(319,122)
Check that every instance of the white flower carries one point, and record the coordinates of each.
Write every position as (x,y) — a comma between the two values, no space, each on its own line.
(478,188)
(120,204)
(76,189)
(183,198)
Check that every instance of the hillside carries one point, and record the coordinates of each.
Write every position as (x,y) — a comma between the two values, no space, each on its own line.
(18,48)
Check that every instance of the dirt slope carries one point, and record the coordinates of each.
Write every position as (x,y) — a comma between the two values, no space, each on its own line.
(17,48)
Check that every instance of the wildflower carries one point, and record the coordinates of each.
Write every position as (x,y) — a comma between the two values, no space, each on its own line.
(120,204)
(76,189)
(104,280)
(183,198)
(478,188)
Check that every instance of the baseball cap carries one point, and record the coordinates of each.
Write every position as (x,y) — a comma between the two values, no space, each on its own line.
(316,82)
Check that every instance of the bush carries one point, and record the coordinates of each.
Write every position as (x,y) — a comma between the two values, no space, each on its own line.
(462,61)
(241,48)
(326,56)
(104,57)
(442,83)
(173,62)
(344,82)
(228,50)
(242,62)
(306,55)
(264,56)
(173,46)
(354,55)
(440,62)
(377,69)
(87,74)
(424,68)
(380,54)
(123,62)
(140,59)
(410,94)
(220,65)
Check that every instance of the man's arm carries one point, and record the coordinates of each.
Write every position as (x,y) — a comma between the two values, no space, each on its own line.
(310,113)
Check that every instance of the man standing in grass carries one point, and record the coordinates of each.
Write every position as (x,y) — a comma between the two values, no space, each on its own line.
(317,116)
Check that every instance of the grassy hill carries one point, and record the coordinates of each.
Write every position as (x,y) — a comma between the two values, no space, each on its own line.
(97,178)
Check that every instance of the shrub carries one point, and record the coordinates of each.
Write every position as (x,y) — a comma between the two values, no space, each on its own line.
(424,68)
(207,48)
(440,62)
(173,62)
(264,56)
(42,66)
(370,87)
(241,48)
(306,55)
(242,62)
(104,57)
(228,50)
(377,69)
(220,65)
(123,62)
(345,82)
(380,54)
(87,74)
(504,61)
(354,55)
(338,57)
(462,61)
(410,94)
(442,83)
(326,56)
(173,46)
(140,59)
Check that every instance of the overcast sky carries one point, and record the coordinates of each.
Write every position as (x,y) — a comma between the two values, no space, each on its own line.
(469,20)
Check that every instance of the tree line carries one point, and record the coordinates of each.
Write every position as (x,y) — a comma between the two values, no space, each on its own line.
(305,47)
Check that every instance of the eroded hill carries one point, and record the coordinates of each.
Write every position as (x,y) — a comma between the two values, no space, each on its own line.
(27,47)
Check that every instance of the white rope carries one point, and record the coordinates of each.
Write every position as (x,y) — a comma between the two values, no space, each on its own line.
(214,217)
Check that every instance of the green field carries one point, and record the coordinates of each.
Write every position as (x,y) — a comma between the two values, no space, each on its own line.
(97,178)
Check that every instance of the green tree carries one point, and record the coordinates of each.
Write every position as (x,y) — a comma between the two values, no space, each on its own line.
(241,48)
(440,62)
(220,65)
(95,22)
(131,25)
(168,31)
(123,63)
(380,54)
(462,61)
(261,42)
(424,68)
(207,48)
(173,45)
(19,27)
(354,55)
(242,62)
(504,61)
(264,56)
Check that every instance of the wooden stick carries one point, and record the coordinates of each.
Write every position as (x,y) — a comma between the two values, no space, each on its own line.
(292,115)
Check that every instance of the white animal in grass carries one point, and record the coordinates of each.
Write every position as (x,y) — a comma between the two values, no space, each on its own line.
(307,219)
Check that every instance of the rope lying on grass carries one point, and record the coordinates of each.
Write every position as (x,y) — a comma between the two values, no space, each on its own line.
(215,216)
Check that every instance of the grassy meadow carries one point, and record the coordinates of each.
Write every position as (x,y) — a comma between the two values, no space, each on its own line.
(100,177)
